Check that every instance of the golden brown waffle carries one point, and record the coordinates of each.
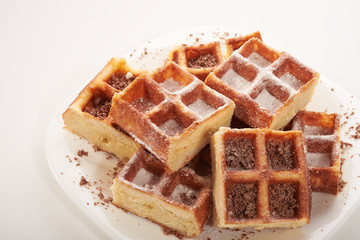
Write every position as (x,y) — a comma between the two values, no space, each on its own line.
(87,116)
(235,43)
(198,60)
(260,179)
(267,86)
(202,59)
(180,201)
(171,113)
(322,144)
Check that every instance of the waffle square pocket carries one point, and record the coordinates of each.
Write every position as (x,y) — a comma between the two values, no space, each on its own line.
(198,60)
(260,179)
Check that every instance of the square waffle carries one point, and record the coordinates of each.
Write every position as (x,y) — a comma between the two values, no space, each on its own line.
(235,43)
(180,201)
(198,60)
(171,113)
(260,179)
(267,86)
(87,116)
(322,144)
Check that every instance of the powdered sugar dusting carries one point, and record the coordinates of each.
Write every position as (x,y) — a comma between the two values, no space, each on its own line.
(262,73)
(190,87)
(235,80)
(258,60)
(291,80)
(318,159)
(171,85)
(201,108)
(171,127)
(145,179)
(268,101)
(316,130)
(143,104)
(321,138)
(184,194)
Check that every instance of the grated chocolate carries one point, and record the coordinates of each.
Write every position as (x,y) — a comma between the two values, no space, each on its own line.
(99,107)
(280,154)
(203,61)
(241,200)
(239,154)
(283,200)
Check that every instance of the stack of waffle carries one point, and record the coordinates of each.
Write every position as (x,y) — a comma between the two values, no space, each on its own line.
(168,118)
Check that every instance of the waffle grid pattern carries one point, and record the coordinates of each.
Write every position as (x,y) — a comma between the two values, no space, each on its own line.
(87,116)
(171,109)
(267,86)
(259,180)
(322,144)
(144,187)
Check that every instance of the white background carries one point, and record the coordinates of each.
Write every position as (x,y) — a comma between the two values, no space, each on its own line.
(48,49)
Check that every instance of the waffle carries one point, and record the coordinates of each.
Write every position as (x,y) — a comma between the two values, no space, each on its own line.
(171,113)
(235,43)
(260,179)
(87,116)
(180,201)
(322,143)
(198,60)
(267,86)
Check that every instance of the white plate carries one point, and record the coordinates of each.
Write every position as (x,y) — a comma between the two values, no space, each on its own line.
(328,212)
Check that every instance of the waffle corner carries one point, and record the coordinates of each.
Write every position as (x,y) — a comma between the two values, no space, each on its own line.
(322,144)
(180,201)
(87,115)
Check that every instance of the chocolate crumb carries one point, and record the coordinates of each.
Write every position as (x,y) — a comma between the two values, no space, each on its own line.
(345,145)
(119,81)
(188,199)
(83,181)
(82,153)
(280,154)
(239,154)
(101,195)
(98,107)
(108,200)
(119,165)
(241,201)
(342,184)
(96,148)
(283,200)
(203,61)
(169,231)
(357,132)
